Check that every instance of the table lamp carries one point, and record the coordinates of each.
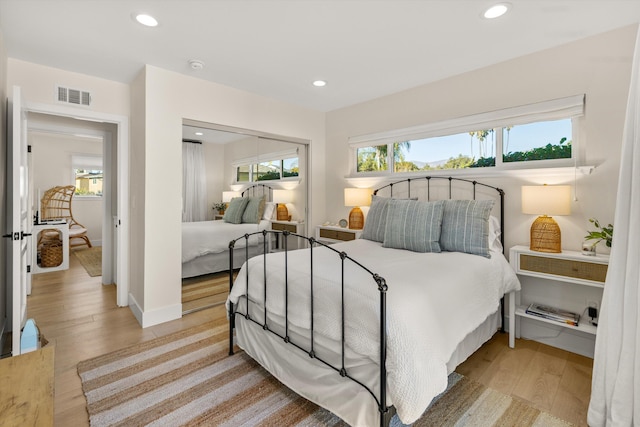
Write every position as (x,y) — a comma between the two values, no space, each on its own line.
(546,200)
(281,198)
(357,197)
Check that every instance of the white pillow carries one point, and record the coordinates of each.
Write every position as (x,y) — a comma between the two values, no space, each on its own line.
(269,207)
(494,234)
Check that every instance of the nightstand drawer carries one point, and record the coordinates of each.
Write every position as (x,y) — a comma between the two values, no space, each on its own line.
(284,227)
(596,272)
(337,235)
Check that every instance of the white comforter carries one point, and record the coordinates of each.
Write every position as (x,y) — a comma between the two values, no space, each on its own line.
(433,302)
(212,237)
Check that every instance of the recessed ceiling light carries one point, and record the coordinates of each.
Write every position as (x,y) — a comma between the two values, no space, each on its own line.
(146,20)
(199,133)
(319,83)
(496,10)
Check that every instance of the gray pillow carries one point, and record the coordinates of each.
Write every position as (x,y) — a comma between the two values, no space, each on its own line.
(465,226)
(253,212)
(376,219)
(374,226)
(413,225)
(234,212)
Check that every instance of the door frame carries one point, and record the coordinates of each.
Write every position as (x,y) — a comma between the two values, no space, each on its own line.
(122,179)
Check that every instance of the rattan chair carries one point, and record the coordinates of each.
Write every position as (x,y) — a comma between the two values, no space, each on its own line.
(56,204)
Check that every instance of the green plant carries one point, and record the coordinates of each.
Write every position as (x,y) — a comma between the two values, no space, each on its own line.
(220,206)
(603,233)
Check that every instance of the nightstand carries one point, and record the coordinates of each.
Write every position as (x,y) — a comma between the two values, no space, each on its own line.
(329,234)
(290,226)
(217,217)
(556,268)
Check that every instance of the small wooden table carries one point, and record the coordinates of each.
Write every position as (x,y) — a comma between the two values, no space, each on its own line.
(26,388)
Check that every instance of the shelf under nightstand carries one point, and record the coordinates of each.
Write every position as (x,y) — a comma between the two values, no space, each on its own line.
(567,266)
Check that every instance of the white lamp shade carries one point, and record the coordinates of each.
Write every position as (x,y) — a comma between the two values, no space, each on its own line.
(546,199)
(357,196)
(282,196)
(228,195)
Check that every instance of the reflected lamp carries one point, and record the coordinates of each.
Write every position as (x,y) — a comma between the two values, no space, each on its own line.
(546,200)
(356,197)
(281,198)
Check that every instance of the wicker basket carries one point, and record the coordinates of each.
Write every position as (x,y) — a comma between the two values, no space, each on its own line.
(51,253)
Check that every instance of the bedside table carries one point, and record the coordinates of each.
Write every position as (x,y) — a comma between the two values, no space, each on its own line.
(217,217)
(329,234)
(290,226)
(567,266)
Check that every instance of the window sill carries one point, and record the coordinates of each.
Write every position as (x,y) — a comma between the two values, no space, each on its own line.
(371,179)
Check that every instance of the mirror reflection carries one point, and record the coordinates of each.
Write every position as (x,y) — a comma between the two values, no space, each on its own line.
(237,182)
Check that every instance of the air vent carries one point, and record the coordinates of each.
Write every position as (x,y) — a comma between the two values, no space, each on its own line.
(73,96)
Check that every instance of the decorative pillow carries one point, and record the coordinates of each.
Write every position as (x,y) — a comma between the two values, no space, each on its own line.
(255,209)
(376,219)
(413,225)
(465,226)
(233,213)
(269,207)
(374,226)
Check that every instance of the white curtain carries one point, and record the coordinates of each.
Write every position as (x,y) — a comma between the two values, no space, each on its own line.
(194,183)
(615,389)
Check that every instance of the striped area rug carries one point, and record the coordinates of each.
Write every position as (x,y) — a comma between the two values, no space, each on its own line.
(188,379)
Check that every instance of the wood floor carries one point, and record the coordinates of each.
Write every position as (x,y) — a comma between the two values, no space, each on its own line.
(79,317)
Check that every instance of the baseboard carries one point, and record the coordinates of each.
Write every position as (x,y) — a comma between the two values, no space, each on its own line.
(154,317)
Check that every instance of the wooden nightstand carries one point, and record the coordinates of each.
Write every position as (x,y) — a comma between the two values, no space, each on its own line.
(217,217)
(332,234)
(567,266)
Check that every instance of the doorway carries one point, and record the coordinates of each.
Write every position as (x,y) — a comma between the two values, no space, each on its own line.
(114,132)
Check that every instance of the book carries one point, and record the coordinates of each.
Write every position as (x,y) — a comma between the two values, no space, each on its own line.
(553,313)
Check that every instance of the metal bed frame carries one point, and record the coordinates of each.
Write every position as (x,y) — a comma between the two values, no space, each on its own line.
(386,412)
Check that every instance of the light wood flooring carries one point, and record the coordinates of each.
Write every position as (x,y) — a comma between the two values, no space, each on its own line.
(79,317)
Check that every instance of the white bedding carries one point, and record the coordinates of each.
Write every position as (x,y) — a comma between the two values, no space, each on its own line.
(212,237)
(433,302)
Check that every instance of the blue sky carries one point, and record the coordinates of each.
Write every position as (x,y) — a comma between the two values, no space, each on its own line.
(521,138)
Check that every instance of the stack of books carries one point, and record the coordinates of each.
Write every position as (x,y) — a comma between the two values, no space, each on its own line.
(553,313)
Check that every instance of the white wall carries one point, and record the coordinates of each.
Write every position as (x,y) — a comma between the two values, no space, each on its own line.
(170,98)
(598,66)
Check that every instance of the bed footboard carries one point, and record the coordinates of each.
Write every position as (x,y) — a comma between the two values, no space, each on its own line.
(380,396)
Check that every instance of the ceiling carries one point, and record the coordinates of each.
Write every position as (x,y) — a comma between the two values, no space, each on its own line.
(364,49)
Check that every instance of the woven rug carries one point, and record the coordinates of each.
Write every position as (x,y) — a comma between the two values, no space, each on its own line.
(91,260)
(188,379)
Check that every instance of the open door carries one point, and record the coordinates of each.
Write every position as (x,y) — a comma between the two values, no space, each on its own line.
(18,226)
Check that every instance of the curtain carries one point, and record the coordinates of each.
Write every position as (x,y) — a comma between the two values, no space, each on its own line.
(615,388)
(194,183)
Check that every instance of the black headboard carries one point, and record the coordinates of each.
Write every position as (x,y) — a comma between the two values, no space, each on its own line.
(259,190)
(441,187)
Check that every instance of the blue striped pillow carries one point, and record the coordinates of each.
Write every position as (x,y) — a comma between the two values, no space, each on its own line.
(233,213)
(465,226)
(413,225)
(376,219)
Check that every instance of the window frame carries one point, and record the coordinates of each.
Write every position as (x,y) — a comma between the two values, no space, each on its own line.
(252,163)
(92,162)
(559,109)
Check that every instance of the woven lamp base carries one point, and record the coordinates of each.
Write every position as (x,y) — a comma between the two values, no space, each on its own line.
(282,213)
(356,219)
(545,235)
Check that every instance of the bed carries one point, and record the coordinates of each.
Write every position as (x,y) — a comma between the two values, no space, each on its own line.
(367,328)
(205,243)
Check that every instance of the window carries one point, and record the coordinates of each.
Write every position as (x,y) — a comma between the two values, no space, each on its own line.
(277,169)
(523,135)
(87,175)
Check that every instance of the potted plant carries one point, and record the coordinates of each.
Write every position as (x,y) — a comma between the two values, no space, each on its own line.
(602,233)
(220,207)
